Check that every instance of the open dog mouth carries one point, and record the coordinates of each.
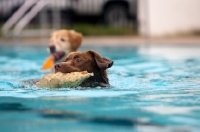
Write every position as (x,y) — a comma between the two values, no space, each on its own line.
(58,55)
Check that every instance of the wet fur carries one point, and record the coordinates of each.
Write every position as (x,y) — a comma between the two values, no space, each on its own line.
(89,61)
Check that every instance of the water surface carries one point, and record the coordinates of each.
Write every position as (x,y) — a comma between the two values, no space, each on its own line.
(153,89)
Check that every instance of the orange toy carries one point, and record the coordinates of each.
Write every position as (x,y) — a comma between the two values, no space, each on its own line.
(48,63)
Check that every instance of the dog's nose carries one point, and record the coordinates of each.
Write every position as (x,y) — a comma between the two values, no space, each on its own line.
(57,66)
(52,48)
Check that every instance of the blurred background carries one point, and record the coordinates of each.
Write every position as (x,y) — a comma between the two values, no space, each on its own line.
(140,19)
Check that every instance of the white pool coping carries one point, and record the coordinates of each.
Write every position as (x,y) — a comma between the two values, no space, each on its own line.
(112,41)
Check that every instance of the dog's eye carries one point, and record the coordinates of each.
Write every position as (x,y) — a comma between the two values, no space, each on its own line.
(78,60)
(63,40)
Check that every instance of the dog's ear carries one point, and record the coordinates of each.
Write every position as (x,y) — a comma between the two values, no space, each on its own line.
(102,63)
(75,39)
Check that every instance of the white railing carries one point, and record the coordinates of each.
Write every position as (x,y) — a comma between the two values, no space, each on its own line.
(21,18)
(17,15)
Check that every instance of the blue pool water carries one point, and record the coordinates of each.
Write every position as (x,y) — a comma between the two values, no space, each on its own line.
(154,89)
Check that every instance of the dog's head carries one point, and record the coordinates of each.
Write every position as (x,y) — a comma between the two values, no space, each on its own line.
(62,42)
(86,61)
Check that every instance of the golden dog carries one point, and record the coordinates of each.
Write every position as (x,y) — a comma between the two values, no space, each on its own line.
(62,42)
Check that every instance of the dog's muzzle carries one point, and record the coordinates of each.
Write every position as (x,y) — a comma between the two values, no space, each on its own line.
(58,55)
(52,49)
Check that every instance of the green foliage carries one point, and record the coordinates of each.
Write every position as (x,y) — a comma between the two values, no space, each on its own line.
(96,30)
(102,30)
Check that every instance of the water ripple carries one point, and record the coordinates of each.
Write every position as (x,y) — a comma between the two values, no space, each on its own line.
(153,87)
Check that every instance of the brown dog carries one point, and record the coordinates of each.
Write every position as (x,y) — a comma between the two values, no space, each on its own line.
(62,42)
(87,61)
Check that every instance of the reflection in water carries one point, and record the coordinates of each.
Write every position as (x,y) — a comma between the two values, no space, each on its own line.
(70,115)
(11,107)
(99,120)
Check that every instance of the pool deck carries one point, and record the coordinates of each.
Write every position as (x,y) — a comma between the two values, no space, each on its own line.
(112,40)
